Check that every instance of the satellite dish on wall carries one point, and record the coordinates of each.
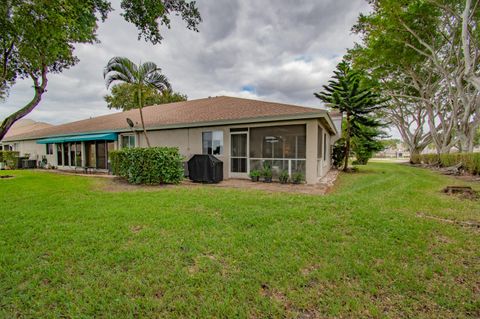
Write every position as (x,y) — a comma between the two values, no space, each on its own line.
(130,123)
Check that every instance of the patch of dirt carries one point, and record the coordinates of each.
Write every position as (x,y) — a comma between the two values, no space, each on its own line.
(470,224)
(197,264)
(117,184)
(309,269)
(463,192)
(46,281)
(6,176)
(136,229)
(328,181)
(275,295)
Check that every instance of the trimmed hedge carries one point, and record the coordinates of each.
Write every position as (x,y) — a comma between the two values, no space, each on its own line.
(469,161)
(154,165)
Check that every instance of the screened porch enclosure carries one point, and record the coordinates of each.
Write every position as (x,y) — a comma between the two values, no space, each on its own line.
(281,147)
(90,150)
(96,154)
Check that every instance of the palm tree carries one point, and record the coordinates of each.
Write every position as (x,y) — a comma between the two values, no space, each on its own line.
(142,76)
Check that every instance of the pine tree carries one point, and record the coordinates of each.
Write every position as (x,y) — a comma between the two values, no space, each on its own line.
(348,93)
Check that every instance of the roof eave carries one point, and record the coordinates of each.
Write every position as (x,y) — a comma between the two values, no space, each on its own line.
(319,114)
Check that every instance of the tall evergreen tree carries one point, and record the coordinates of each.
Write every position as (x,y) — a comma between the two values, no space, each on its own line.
(348,93)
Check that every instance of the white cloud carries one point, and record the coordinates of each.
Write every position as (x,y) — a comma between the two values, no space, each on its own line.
(281,50)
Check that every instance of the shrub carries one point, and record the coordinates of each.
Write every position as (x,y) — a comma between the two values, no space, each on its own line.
(255,173)
(470,162)
(298,178)
(154,165)
(283,177)
(338,153)
(362,159)
(267,170)
(10,158)
(431,159)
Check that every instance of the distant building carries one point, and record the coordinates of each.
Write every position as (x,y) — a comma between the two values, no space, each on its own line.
(22,126)
(397,151)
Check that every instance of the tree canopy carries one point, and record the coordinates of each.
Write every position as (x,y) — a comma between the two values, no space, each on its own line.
(38,37)
(139,78)
(352,94)
(124,97)
(425,55)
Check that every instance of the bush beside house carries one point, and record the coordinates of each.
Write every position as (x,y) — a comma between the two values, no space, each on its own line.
(468,161)
(9,158)
(154,165)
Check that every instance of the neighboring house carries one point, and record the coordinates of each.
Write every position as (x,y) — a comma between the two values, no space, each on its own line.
(21,127)
(242,133)
(397,151)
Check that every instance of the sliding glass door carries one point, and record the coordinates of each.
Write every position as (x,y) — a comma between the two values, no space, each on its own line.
(101,149)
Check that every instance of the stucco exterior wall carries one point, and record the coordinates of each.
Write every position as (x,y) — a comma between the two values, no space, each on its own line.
(36,151)
(189,142)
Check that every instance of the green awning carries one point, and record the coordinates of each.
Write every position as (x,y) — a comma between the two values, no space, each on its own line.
(51,140)
(79,138)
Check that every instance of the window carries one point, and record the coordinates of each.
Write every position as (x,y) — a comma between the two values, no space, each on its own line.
(128,141)
(66,157)
(78,154)
(325,146)
(49,148)
(319,143)
(90,153)
(212,142)
(59,155)
(73,150)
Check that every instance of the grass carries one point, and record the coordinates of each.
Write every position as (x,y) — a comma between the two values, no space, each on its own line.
(69,249)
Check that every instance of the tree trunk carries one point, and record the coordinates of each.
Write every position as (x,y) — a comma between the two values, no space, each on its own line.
(347,143)
(414,152)
(140,108)
(39,90)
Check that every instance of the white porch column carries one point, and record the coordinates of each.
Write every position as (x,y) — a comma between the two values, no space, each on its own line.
(311,158)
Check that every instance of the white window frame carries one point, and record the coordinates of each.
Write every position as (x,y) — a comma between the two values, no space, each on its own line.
(222,144)
(129,140)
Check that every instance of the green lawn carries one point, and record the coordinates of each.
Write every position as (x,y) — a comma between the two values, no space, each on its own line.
(69,249)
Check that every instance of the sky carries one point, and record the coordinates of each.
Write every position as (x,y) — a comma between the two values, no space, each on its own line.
(273,50)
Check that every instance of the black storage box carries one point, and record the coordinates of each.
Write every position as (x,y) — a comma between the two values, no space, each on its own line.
(26,163)
(205,169)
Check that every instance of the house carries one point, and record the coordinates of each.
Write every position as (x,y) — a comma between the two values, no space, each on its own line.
(21,127)
(397,151)
(243,133)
